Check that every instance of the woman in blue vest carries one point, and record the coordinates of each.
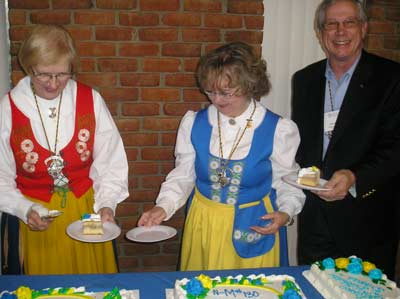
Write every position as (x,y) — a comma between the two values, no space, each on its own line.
(230,158)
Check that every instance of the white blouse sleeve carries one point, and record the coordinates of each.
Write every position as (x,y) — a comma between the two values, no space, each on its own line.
(109,170)
(286,141)
(11,199)
(180,182)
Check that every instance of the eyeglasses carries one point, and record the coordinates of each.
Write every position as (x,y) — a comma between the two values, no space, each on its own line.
(347,24)
(223,94)
(46,77)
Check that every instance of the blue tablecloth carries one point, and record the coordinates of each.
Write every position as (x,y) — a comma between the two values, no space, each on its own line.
(151,285)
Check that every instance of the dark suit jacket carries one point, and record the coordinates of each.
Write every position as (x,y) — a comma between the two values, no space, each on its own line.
(366,140)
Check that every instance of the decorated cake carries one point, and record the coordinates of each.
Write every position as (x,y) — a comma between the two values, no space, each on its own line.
(239,287)
(92,224)
(67,293)
(350,278)
(309,176)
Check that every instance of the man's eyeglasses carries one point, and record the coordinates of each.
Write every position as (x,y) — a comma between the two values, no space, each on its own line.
(347,24)
(223,94)
(46,77)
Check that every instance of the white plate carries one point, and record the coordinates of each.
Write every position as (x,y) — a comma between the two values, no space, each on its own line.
(291,179)
(153,233)
(111,231)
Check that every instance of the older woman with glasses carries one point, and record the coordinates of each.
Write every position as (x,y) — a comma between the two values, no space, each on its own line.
(59,151)
(230,158)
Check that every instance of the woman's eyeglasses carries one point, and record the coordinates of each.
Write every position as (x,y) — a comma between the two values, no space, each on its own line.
(46,77)
(223,94)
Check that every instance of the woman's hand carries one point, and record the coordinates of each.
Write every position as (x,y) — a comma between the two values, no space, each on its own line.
(152,217)
(36,223)
(277,218)
(107,214)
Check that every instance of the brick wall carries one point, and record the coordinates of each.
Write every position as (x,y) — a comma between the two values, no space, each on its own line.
(141,55)
(384,28)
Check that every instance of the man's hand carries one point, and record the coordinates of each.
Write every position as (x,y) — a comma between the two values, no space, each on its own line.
(339,185)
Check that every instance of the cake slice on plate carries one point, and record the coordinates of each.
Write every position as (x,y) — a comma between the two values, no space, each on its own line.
(309,176)
(92,224)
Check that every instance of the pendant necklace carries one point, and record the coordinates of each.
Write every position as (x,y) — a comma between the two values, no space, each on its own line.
(52,112)
(54,163)
(223,178)
(332,107)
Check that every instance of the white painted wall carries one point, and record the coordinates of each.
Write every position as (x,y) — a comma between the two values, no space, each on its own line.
(289,44)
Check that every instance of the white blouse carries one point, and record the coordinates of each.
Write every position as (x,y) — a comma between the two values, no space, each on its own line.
(109,170)
(181,180)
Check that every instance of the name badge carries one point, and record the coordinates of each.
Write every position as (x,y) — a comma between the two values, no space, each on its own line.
(330,120)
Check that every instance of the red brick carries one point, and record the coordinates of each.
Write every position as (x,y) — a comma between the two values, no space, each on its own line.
(161,65)
(19,33)
(95,79)
(144,168)
(71,4)
(223,21)
(132,154)
(168,138)
(167,166)
(16,17)
(139,139)
(180,109)
(201,35)
(254,22)
(86,65)
(194,95)
(28,4)
(171,248)
(246,7)
(159,5)
(158,34)
(138,19)
(50,17)
(94,18)
(80,32)
(114,33)
(155,261)
(140,79)
(117,65)
(160,124)
(128,125)
(116,4)
(160,94)
(181,49)
(190,64)
(392,42)
(127,263)
(180,79)
(393,14)
(251,37)
(182,19)
(144,195)
(126,209)
(148,49)
(152,181)
(95,49)
(203,5)
(141,248)
(381,28)
(157,154)
(376,13)
(140,109)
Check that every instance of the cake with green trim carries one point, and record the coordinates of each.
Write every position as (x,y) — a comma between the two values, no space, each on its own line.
(350,278)
(24,292)
(238,287)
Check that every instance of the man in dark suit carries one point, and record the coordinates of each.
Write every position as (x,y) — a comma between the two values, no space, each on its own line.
(347,108)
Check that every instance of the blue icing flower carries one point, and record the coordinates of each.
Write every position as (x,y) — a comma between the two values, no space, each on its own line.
(291,294)
(355,267)
(194,287)
(375,274)
(355,260)
(328,263)
(8,296)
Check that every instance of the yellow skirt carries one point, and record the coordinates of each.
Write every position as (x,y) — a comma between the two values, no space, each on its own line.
(207,239)
(54,252)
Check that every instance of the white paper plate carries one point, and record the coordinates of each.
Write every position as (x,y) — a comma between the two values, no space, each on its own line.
(111,231)
(153,233)
(291,179)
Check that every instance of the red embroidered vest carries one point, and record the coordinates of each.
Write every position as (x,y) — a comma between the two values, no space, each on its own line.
(32,177)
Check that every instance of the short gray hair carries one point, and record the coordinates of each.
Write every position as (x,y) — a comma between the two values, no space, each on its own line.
(320,13)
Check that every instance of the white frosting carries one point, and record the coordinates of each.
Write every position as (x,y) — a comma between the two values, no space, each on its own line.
(93,217)
(270,290)
(334,284)
(307,171)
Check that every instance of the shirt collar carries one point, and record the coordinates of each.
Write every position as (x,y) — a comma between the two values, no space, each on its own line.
(329,74)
